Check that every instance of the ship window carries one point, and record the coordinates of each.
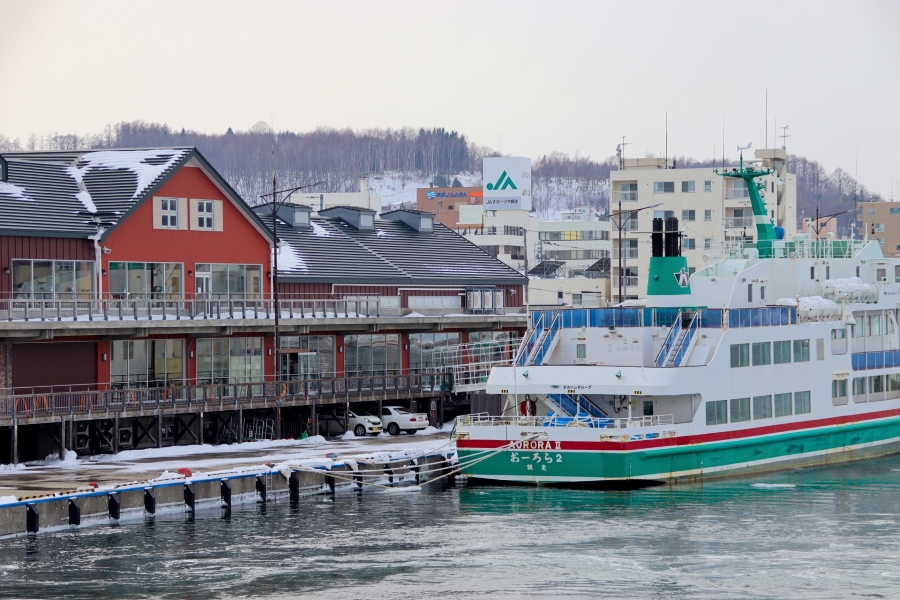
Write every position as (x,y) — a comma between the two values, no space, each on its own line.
(859,387)
(827,272)
(801,403)
(875,325)
(812,272)
(761,353)
(581,351)
(838,334)
(839,388)
(716,412)
(762,407)
(894,382)
(782,405)
(876,384)
(740,410)
(648,408)
(782,352)
(749,292)
(762,292)
(740,355)
(801,350)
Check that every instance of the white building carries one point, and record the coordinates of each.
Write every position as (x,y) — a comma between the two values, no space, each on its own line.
(364,198)
(710,209)
(566,249)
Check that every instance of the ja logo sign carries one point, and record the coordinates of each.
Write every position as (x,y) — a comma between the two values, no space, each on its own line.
(504,182)
(682,278)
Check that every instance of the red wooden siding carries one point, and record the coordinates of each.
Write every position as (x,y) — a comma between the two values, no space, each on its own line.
(16,246)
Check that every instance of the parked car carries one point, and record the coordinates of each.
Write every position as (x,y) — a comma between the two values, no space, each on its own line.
(397,418)
(360,423)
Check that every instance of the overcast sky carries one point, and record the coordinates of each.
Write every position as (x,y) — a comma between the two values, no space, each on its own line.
(530,77)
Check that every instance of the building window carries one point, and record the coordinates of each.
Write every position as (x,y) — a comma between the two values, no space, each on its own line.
(707,186)
(740,355)
(783,405)
(762,407)
(839,388)
(576,299)
(630,221)
(663,214)
(688,215)
(801,403)
(663,187)
(429,352)
(306,357)
(581,351)
(169,213)
(707,243)
(47,279)
(801,350)
(740,410)
(145,280)
(205,220)
(879,227)
(716,412)
(229,360)
(690,244)
(707,215)
(146,363)
(228,281)
(871,212)
(687,187)
(434,301)
(761,353)
(880,241)
(492,250)
(595,234)
(781,352)
(895,211)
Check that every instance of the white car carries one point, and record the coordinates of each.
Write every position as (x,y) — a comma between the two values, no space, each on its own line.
(361,423)
(397,419)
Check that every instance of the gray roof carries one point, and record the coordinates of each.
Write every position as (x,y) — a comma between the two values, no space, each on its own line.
(391,254)
(62,194)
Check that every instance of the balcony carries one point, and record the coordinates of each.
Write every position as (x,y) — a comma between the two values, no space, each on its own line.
(737,194)
(626,253)
(624,196)
(738,222)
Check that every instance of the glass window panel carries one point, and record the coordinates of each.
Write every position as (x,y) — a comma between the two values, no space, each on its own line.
(43,278)
(137,361)
(219,281)
(22,282)
(136,280)
(204,361)
(782,405)
(392,354)
(220,360)
(236,279)
(118,279)
(84,278)
(237,363)
(762,407)
(801,403)
(740,410)
(173,283)
(174,361)
(254,350)
(378,354)
(64,278)
(351,366)
(254,281)
(325,353)
(118,365)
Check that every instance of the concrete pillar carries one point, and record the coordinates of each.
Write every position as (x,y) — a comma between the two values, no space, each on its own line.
(200,428)
(115,435)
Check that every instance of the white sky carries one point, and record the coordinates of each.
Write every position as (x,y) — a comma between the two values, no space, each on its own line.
(537,76)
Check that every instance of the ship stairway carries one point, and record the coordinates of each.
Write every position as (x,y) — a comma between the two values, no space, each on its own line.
(573,405)
(682,337)
(547,341)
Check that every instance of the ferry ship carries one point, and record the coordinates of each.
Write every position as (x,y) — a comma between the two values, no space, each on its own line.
(783,353)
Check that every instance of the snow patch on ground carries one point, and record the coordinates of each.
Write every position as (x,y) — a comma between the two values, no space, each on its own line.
(8,499)
(348,435)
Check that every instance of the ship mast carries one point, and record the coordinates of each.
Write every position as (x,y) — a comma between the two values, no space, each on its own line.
(765,232)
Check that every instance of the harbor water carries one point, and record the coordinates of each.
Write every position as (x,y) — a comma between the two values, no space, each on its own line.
(806,533)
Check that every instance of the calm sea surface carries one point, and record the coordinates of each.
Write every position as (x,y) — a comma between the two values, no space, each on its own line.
(835,534)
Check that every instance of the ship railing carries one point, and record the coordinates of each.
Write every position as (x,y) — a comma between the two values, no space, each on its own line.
(486,420)
(670,339)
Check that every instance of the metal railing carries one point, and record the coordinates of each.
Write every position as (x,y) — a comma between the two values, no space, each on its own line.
(22,307)
(485,420)
(626,253)
(738,222)
(624,196)
(737,193)
(686,340)
(670,339)
(37,404)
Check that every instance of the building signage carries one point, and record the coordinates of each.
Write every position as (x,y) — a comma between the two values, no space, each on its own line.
(507,183)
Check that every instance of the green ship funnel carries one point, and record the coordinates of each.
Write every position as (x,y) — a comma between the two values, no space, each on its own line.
(668,274)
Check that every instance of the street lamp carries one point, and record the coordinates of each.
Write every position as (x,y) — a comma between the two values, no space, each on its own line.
(275,204)
(620,225)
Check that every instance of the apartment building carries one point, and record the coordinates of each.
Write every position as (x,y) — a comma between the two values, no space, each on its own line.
(881,221)
(711,209)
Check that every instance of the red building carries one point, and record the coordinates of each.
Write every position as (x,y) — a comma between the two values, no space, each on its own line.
(140,277)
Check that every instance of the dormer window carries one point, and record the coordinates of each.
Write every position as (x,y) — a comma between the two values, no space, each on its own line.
(169,213)
(426,224)
(301,218)
(366,221)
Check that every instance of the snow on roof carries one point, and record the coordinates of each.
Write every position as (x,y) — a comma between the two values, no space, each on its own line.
(318,230)
(147,166)
(289,259)
(13,190)
(382,233)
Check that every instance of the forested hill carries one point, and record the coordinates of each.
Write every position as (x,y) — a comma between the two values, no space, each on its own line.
(339,156)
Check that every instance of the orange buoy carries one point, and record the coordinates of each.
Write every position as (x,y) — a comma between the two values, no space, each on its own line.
(185,471)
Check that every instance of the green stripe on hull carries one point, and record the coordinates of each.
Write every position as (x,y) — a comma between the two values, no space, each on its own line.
(811,447)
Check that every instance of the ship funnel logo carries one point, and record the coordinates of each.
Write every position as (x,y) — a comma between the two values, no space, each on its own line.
(505,181)
(682,278)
